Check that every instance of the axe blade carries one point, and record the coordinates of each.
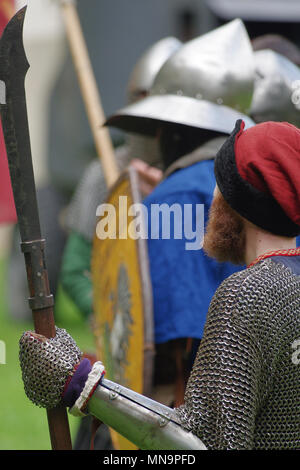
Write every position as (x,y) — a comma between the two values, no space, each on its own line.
(13,69)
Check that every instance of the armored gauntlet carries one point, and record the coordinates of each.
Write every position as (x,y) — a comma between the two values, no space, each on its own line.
(54,372)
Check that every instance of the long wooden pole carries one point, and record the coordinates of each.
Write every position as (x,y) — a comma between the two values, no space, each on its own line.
(90,92)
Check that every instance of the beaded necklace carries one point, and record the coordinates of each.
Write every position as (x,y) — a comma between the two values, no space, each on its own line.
(290,252)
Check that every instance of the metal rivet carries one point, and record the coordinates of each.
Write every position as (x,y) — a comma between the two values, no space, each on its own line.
(162,422)
(113,395)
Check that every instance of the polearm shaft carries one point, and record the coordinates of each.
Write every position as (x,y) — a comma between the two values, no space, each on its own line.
(90,93)
(13,69)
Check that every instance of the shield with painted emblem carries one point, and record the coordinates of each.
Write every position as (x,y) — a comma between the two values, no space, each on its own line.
(123,312)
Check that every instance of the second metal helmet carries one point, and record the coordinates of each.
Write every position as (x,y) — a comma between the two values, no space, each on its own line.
(276,94)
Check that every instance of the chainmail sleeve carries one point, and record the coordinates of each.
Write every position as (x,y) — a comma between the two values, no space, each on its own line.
(231,401)
(222,392)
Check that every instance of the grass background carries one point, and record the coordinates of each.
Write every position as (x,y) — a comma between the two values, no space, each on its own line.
(23,426)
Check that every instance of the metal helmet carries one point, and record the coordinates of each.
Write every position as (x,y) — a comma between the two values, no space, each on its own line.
(276,94)
(145,70)
(207,83)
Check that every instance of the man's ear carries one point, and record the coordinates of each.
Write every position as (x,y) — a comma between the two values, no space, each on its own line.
(216,191)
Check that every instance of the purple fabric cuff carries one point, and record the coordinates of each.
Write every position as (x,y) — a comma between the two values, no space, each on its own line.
(77,383)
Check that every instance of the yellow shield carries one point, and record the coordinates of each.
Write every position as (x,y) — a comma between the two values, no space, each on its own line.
(123,314)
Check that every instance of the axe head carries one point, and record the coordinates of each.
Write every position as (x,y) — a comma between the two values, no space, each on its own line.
(13,60)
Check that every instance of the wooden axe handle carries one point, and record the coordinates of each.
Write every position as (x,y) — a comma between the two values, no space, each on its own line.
(44,324)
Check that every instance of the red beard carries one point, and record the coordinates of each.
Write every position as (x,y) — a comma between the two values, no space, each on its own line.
(224,239)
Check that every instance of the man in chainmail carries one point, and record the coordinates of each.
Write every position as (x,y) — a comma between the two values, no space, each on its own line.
(253,324)
(243,392)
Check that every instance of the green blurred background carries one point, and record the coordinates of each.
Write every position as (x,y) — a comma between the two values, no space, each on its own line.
(23,426)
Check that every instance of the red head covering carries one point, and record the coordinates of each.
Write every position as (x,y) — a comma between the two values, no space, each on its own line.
(268,157)
(258,173)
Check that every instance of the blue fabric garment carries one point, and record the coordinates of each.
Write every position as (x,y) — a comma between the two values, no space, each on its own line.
(184,281)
